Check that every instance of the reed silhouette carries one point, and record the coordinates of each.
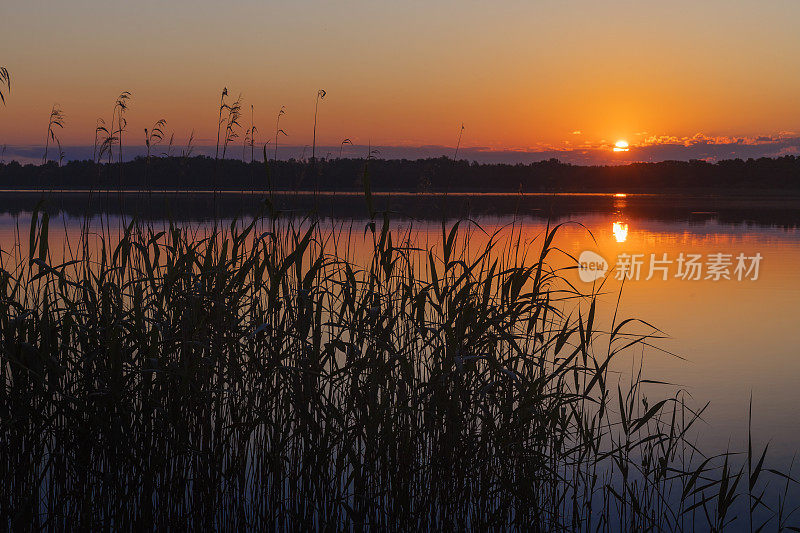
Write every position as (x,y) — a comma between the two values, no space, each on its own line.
(5,79)
(341,146)
(56,121)
(320,95)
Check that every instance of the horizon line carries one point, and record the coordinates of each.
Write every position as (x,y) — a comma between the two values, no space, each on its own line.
(704,149)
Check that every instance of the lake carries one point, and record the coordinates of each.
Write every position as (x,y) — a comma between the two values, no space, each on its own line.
(725,338)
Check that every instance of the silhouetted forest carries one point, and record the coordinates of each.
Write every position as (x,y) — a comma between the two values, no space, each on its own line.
(424,175)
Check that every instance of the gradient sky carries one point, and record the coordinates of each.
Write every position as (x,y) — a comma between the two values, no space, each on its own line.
(521,75)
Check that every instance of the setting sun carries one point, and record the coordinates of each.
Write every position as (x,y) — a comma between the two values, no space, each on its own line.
(621,146)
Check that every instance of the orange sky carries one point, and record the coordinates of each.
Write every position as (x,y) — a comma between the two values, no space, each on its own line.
(518,74)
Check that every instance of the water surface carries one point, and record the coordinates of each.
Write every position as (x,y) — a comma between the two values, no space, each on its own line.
(726,338)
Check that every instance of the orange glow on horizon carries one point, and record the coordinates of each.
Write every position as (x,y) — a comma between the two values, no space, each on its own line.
(405,74)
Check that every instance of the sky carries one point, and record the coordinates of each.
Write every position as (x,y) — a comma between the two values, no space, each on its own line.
(526,78)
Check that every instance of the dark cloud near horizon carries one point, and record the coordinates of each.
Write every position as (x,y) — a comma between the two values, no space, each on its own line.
(703,149)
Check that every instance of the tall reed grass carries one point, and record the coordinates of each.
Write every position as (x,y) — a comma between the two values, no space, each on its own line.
(341,146)
(278,130)
(152,137)
(55,122)
(5,79)
(320,96)
(458,144)
(265,375)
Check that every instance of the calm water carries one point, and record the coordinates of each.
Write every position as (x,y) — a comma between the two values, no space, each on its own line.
(730,338)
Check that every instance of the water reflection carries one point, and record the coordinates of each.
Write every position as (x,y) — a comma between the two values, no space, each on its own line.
(620,230)
(625,207)
(703,319)
(620,227)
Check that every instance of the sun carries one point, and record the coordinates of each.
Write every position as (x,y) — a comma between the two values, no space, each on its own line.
(621,146)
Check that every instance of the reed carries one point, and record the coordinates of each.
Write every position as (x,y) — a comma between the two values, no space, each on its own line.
(170,146)
(56,122)
(187,152)
(272,374)
(152,137)
(341,146)
(253,132)
(120,108)
(458,144)
(5,79)
(222,107)
(278,130)
(232,124)
(320,95)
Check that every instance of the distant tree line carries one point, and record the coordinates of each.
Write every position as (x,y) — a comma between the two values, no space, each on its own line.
(423,175)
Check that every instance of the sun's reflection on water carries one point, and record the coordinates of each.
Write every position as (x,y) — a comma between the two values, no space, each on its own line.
(620,230)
